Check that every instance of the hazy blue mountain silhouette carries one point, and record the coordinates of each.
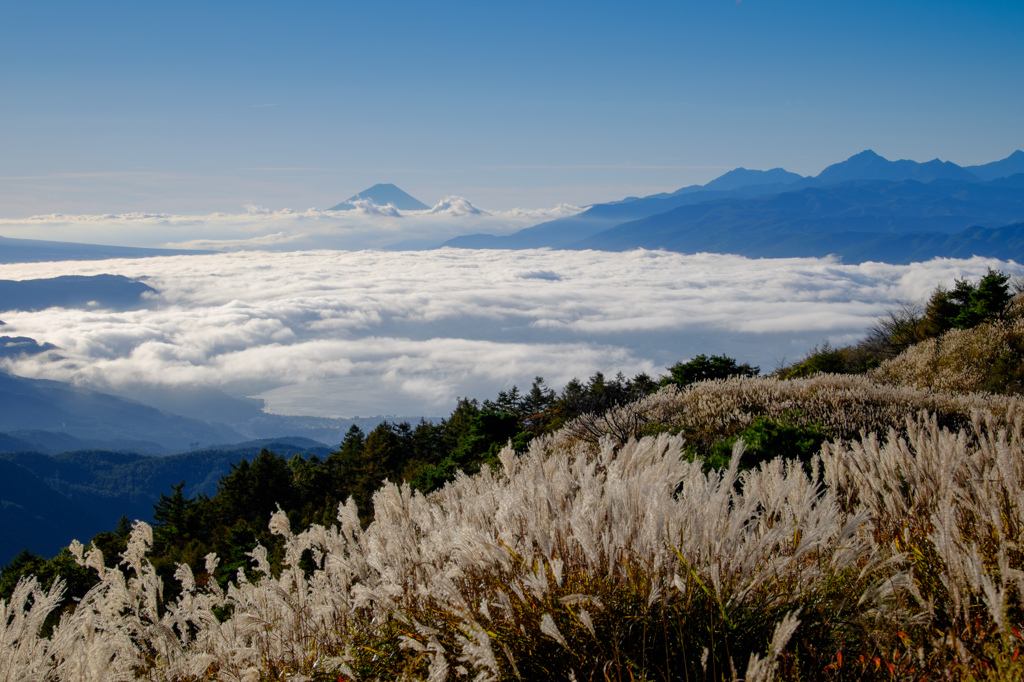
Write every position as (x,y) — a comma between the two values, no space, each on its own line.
(99,418)
(74,291)
(856,220)
(11,443)
(1005,242)
(48,500)
(868,165)
(742,177)
(561,232)
(1011,165)
(862,204)
(198,402)
(34,516)
(104,471)
(55,442)
(322,429)
(38,250)
(13,346)
(382,195)
(857,247)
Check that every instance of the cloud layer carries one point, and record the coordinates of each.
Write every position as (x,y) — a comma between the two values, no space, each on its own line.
(366,227)
(342,333)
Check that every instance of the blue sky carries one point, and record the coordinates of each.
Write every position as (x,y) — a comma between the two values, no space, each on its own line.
(184,107)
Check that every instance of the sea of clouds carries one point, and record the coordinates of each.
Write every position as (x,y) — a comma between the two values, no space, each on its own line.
(367,226)
(343,333)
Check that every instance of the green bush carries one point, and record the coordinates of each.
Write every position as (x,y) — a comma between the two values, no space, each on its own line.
(766,439)
(704,368)
(827,359)
(968,304)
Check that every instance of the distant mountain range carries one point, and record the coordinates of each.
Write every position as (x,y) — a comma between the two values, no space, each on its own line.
(38,250)
(382,195)
(863,208)
(1011,165)
(870,166)
(50,416)
(53,417)
(72,460)
(115,292)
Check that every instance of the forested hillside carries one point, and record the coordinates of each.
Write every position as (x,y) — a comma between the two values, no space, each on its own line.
(853,516)
(220,500)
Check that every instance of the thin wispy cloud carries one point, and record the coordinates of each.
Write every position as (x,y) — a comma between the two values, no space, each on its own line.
(369,332)
(606,166)
(102,175)
(313,169)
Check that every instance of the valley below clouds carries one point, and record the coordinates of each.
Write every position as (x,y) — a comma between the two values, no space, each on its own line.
(344,333)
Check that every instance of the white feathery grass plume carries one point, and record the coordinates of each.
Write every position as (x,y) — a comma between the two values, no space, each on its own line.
(183,574)
(23,652)
(956,488)
(654,595)
(588,623)
(438,670)
(549,628)
(679,584)
(511,661)
(477,650)
(279,524)
(556,570)
(508,460)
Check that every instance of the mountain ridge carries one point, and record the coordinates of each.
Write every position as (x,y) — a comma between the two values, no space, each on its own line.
(1011,165)
(383,194)
(13,250)
(74,291)
(867,165)
(833,220)
(99,419)
(864,195)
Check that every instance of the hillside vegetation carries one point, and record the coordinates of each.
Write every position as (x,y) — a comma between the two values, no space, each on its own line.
(714,525)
